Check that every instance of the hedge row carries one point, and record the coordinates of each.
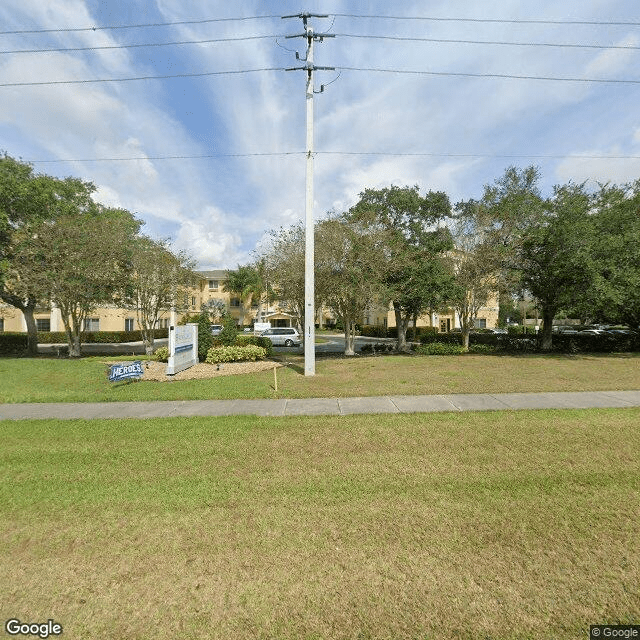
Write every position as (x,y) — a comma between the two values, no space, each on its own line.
(574,343)
(373,331)
(13,344)
(99,337)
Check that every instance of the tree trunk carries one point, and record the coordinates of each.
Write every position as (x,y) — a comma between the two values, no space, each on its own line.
(27,308)
(147,338)
(349,335)
(401,329)
(466,332)
(32,329)
(548,313)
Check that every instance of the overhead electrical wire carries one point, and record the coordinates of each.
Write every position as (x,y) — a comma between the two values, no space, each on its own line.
(417,72)
(567,45)
(141,45)
(599,23)
(345,153)
(134,26)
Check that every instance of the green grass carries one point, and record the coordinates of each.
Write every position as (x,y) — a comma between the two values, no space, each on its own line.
(501,525)
(85,380)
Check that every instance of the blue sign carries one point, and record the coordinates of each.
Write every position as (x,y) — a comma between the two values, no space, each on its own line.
(119,372)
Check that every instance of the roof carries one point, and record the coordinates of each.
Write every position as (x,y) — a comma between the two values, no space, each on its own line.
(216,274)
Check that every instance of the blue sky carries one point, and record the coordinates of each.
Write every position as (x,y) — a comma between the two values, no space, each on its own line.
(219,208)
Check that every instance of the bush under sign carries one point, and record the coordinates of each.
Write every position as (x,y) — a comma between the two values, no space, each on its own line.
(126,371)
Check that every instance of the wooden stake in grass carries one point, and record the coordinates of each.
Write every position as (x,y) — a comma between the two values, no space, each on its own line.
(275,378)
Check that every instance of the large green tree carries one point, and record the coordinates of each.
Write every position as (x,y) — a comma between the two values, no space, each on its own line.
(413,240)
(27,202)
(86,259)
(616,220)
(556,256)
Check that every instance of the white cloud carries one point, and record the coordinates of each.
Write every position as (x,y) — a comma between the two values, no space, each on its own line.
(219,208)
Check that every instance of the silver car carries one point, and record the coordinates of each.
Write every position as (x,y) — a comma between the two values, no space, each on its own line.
(282,336)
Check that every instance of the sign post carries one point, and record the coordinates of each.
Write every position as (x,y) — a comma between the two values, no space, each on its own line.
(183,348)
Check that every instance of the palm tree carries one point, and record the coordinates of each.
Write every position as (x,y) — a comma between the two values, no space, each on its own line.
(242,283)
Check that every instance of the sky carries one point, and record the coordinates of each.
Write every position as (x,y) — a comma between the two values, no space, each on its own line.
(215,161)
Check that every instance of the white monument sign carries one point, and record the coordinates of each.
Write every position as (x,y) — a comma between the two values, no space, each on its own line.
(183,348)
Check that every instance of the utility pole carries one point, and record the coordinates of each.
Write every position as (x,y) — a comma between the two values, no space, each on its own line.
(309,246)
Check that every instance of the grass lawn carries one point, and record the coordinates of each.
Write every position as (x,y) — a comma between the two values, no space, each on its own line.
(85,380)
(506,525)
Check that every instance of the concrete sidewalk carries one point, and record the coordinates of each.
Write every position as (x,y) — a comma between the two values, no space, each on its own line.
(323,406)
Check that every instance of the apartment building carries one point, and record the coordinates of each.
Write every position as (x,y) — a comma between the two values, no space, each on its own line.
(211,287)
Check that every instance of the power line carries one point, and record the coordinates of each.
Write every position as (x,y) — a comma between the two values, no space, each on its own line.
(490,42)
(417,72)
(403,154)
(135,26)
(503,76)
(341,35)
(136,78)
(600,23)
(337,15)
(145,44)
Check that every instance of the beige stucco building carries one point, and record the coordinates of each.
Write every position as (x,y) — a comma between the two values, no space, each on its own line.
(211,287)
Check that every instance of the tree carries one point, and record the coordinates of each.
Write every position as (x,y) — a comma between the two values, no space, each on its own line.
(616,220)
(283,259)
(86,257)
(413,240)
(556,255)
(476,265)
(157,278)
(26,201)
(244,283)
(346,269)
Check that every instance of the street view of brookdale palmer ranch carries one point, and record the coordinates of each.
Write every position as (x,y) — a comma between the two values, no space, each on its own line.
(426,425)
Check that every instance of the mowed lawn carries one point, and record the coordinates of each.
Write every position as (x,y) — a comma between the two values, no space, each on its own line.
(498,525)
(85,380)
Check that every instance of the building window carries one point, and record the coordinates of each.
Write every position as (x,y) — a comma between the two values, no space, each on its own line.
(235,302)
(92,324)
(481,323)
(213,285)
(128,324)
(1,325)
(43,324)
(193,301)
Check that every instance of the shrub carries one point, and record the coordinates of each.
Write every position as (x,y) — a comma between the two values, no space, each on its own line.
(161,354)
(13,344)
(439,349)
(250,352)
(205,339)
(258,341)
(229,331)
(482,348)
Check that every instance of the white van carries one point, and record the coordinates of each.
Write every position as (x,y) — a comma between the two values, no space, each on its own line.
(282,336)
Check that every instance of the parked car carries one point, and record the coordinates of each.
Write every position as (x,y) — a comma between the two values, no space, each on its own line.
(282,336)
(594,332)
(216,329)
